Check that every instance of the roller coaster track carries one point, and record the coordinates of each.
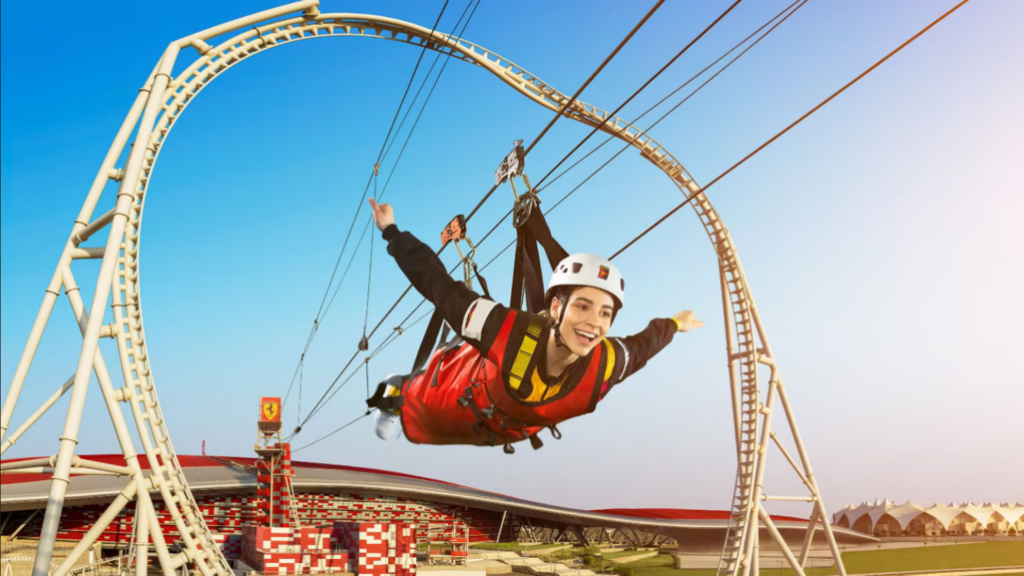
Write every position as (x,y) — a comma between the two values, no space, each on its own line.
(157,108)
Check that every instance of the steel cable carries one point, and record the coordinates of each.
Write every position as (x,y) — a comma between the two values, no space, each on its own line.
(310,445)
(672,93)
(690,197)
(380,155)
(663,117)
(489,193)
(641,89)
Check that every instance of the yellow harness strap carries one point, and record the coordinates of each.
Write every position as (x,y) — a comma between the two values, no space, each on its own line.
(525,354)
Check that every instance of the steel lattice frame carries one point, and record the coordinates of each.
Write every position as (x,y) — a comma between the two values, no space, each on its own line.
(156,109)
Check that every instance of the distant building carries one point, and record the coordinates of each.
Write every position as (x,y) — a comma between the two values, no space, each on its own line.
(886,518)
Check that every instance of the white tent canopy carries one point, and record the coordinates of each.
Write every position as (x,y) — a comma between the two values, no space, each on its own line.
(856,513)
(944,514)
(1010,514)
(839,515)
(905,513)
(979,513)
(881,509)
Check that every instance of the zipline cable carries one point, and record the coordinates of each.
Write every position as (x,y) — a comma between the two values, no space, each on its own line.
(331,434)
(489,193)
(745,40)
(672,93)
(571,100)
(652,126)
(384,146)
(641,89)
(766,144)
(690,197)
(424,83)
(676,107)
(426,43)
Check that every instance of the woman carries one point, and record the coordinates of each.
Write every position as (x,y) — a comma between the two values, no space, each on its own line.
(511,373)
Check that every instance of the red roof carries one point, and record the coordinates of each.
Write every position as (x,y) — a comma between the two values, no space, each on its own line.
(679,514)
(205,462)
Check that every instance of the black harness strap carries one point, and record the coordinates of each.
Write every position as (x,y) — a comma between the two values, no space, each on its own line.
(532,229)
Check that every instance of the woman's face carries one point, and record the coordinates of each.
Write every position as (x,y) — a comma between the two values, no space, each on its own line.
(588,317)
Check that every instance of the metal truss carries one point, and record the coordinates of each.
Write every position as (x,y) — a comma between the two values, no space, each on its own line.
(159,104)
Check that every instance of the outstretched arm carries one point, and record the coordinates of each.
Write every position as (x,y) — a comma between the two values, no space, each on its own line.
(633,352)
(425,270)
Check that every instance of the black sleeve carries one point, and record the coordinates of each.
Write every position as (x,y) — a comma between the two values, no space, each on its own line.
(633,352)
(428,275)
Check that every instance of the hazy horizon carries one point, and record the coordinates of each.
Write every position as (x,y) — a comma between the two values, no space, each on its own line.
(881,237)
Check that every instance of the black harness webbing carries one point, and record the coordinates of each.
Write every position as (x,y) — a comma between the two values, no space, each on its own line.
(532,230)
(436,326)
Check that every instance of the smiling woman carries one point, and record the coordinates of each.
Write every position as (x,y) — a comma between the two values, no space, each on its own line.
(510,373)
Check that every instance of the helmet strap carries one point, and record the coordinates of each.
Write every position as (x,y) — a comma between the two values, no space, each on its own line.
(559,341)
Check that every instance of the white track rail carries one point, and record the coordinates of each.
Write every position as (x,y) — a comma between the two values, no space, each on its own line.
(159,105)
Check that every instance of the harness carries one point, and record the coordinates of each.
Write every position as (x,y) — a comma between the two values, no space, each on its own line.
(497,403)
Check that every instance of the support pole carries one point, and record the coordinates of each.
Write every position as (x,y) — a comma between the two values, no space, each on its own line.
(3,526)
(23,524)
(755,560)
(813,483)
(502,526)
(142,544)
(13,438)
(125,199)
(52,291)
(732,361)
(780,541)
(805,552)
(83,546)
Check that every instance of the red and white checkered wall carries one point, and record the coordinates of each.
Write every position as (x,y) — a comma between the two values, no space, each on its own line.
(227,515)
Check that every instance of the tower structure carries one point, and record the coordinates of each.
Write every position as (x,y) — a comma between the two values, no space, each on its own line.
(274,469)
(128,170)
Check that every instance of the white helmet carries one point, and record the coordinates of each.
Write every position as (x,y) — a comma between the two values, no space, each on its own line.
(590,270)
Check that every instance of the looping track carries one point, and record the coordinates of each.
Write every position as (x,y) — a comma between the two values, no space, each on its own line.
(747,344)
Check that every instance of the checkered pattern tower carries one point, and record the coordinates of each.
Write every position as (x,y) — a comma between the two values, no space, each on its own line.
(274,469)
(378,549)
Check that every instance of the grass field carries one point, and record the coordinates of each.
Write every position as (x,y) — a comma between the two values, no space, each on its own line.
(623,554)
(985,555)
(505,547)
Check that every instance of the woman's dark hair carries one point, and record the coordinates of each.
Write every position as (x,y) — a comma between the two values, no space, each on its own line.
(564,294)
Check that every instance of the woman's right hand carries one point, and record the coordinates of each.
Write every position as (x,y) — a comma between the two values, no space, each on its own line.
(383,214)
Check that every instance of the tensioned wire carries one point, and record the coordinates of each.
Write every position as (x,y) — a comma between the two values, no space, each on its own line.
(380,157)
(663,117)
(785,130)
(370,221)
(404,145)
(328,394)
(561,111)
(690,197)
(402,328)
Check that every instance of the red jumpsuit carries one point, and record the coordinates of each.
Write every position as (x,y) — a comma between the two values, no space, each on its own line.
(492,388)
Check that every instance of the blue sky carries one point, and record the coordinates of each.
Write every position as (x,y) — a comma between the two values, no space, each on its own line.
(880,237)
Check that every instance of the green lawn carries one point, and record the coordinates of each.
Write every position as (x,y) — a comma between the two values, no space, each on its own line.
(986,555)
(614,555)
(647,565)
(504,547)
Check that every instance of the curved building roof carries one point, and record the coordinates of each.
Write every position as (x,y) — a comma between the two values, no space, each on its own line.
(906,513)
(208,475)
(944,514)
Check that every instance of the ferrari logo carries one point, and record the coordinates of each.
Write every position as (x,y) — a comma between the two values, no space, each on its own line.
(270,410)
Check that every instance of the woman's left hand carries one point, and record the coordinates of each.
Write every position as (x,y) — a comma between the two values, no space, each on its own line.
(687,321)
